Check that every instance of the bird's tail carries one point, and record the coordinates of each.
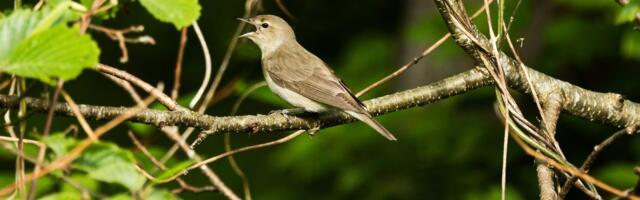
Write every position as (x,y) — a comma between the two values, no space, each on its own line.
(369,120)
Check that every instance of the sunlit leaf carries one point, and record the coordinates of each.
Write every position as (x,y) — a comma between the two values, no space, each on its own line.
(43,56)
(40,45)
(180,13)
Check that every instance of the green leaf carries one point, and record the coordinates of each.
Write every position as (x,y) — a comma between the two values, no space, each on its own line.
(180,13)
(57,52)
(179,168)
(627,13)
(82,180)
(108,163)
(15,28)
(618,174)
(161,195)
(121,196)
(59,143)
(141,128)
(62,195)
(30,47)
(631,45)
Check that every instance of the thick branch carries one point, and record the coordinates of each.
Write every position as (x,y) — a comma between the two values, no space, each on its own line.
(609,108)
(451,86)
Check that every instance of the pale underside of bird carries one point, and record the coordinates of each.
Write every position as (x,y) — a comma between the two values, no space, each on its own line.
(300,77)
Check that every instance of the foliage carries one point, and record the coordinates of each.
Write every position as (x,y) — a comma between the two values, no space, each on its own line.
(180,13)
(40,45)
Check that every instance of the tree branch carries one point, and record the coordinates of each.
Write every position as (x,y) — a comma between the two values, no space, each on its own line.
(275,122)
(608,108)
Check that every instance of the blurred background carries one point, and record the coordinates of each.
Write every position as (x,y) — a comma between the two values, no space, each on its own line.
(448,150)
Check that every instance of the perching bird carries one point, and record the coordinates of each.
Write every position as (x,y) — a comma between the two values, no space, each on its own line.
(300,77)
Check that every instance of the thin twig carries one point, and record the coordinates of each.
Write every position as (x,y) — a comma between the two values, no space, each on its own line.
(636,189)
(207,65)
(126,86)
(76,111)
(45,133)
(227,141)
(249,5)
(183,184)
(415,60)
(119,35)
(162,98)
(80,147)
(243,149)
(586,165)
(285,10)
(4,84)
(20,163)
(573,171)
(172,133)
(178,69)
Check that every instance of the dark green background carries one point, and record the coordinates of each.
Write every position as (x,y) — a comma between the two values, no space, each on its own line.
(449,150)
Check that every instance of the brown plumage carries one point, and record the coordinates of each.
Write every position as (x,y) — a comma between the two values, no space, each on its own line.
(300,77)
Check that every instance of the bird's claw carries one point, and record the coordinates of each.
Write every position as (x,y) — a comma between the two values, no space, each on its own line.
(291,111)
(313,131)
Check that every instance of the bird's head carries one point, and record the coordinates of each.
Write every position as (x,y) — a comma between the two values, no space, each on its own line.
(271,32)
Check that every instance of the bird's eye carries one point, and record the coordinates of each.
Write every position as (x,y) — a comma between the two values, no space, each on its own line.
(265,25)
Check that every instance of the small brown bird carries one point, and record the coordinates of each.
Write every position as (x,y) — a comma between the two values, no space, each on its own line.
(300,77)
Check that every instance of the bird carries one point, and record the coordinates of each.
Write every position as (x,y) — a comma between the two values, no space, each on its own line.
(300,77)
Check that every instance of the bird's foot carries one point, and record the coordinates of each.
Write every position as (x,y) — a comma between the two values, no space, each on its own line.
(312,131)
(291,111)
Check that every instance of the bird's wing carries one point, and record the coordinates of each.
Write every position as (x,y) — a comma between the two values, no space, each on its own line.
(307,75)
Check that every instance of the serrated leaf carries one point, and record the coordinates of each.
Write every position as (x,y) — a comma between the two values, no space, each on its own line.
(30,47)
(108,163)
(180,13)
(57,52)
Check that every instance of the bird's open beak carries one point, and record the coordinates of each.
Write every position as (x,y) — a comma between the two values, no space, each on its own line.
(248,21)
